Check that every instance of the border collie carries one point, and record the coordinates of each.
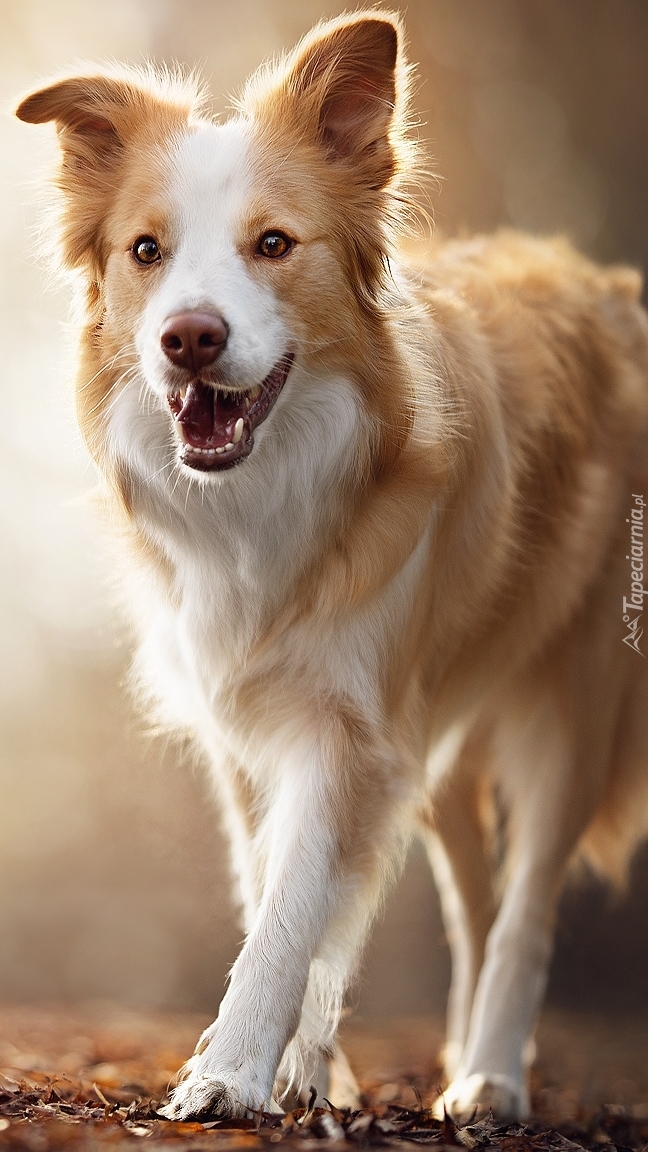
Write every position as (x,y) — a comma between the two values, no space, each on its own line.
(385,513)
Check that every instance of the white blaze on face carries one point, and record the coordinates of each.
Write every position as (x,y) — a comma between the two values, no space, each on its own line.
(213,189)
(210,194)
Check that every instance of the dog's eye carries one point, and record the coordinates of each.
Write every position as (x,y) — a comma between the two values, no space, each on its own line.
(274,244)
(146,250)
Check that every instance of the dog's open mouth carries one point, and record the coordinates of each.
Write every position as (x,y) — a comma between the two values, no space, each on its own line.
(215,424)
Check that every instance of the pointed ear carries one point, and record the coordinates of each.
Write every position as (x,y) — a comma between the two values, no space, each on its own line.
(81,104)
(346,81)
(97,117)
(94,117)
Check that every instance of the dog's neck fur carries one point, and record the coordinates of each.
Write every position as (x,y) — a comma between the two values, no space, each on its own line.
(261,527)
(234,567)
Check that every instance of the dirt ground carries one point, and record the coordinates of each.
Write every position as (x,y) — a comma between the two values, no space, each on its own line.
(91,1077)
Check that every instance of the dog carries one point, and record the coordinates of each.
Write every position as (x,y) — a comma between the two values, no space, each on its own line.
(385,514)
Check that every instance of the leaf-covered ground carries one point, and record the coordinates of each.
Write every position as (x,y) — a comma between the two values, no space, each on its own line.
(92,1078)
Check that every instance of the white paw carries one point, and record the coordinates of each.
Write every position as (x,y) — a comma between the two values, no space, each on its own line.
(199,1096)
(480,1093)
(206,1089)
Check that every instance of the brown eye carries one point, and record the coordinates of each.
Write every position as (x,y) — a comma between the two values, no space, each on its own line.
(146,250)
(274,244)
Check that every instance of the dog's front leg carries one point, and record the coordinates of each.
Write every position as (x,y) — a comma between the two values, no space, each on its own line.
(311,833)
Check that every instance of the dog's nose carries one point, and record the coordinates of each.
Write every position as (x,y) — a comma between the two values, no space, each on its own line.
(193,339)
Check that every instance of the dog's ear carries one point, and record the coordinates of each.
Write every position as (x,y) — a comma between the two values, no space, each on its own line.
(98,117)
(351,72)
(80,105)
(345,83)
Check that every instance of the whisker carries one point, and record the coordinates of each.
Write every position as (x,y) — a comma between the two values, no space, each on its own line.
(169,464)
(106,367)
(179,476)
(124,377)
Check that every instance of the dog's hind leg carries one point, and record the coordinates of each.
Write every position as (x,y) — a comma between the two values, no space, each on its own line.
(455,837)
(552,754)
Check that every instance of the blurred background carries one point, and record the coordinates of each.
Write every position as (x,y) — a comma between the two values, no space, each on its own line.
(113,878)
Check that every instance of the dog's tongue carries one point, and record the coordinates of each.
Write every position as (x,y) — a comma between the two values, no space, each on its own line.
(208,416)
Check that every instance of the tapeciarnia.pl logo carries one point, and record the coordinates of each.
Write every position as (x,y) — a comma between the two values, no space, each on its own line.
(633,604)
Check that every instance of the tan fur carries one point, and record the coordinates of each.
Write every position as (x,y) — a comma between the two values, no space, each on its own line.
(503,382)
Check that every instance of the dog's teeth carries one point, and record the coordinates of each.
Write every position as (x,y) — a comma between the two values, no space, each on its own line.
(228,447)
(219,450)
(238,430)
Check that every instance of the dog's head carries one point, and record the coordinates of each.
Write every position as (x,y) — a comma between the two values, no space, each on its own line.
(222,261)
